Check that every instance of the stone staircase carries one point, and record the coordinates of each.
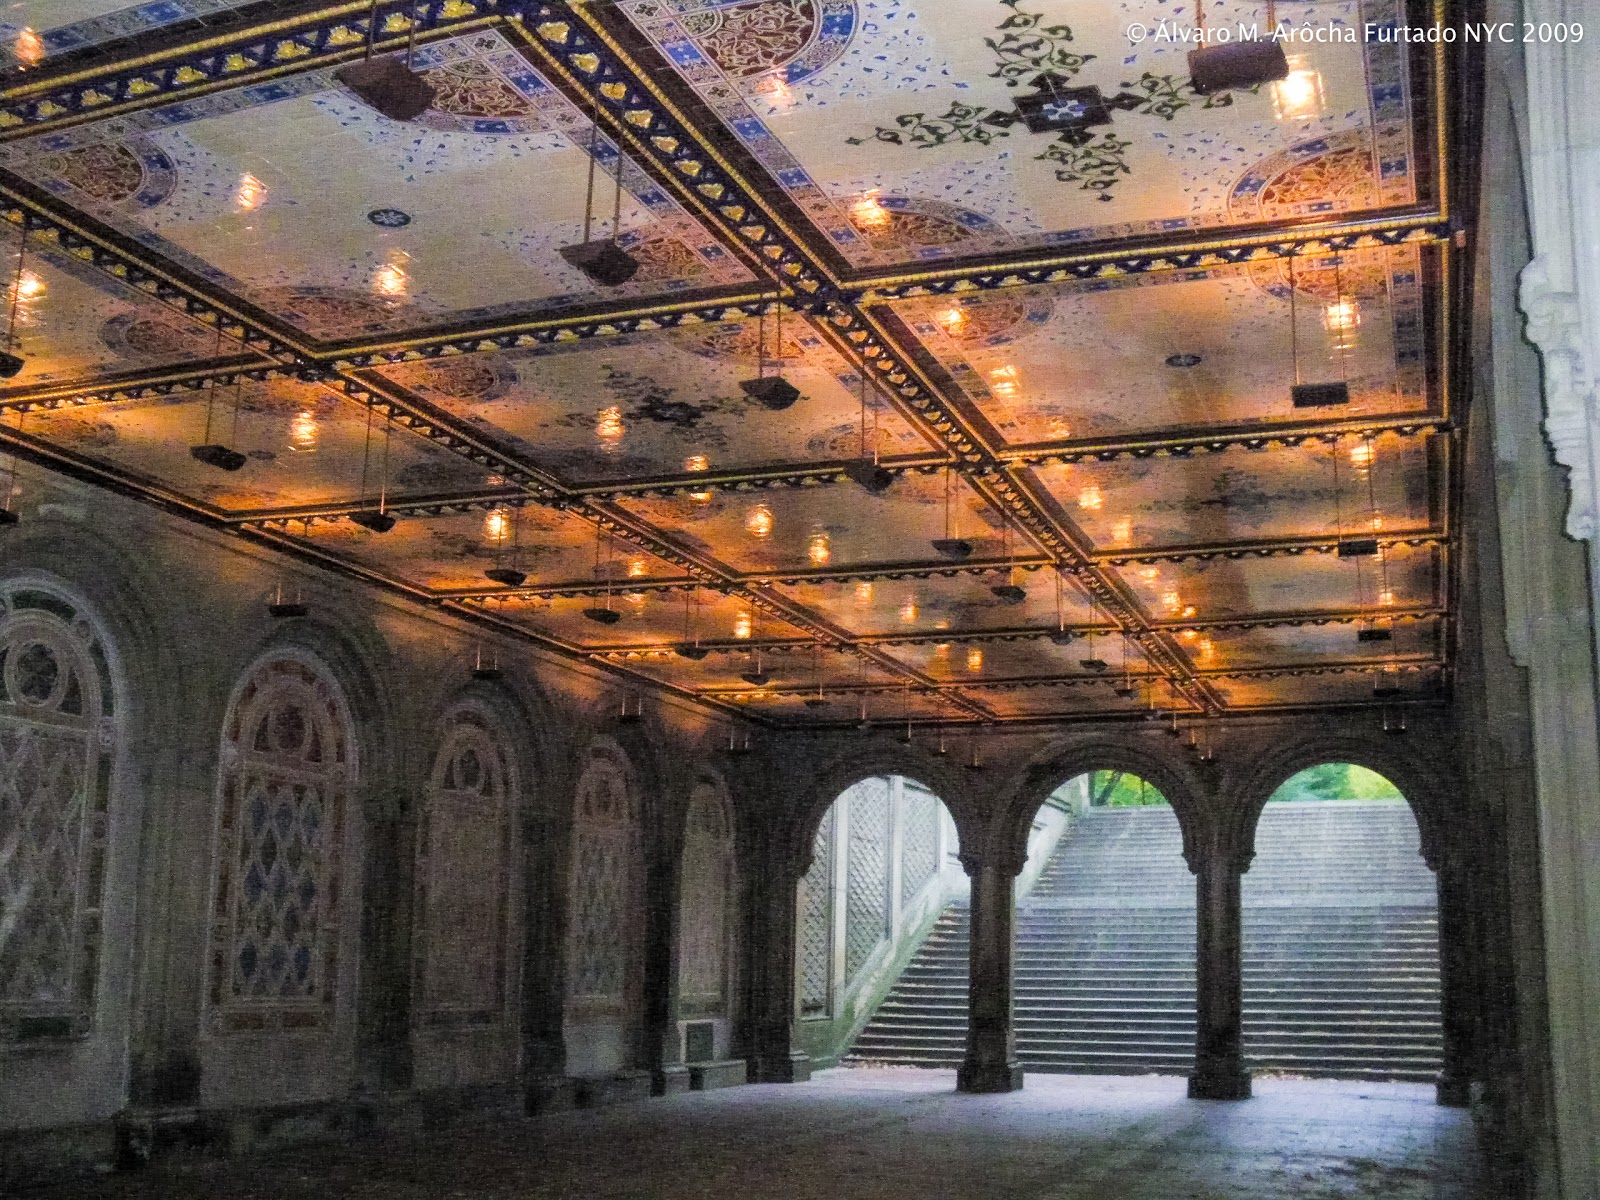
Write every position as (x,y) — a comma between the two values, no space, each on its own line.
(1341,967)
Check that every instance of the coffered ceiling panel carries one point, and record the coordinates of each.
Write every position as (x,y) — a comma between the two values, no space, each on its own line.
(74,322)
(1183,350)
(907,607)
(1082,291)
(838,525)
(660,403)
(303,444)
(1311,490)
(1224,587)
(902,130)
(234,186)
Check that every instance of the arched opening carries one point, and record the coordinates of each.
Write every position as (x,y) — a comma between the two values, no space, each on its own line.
(881,961)
(1341,943)
(1104,961)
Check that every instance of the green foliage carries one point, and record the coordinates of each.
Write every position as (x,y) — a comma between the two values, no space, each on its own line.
(1115,789)
(1336,781)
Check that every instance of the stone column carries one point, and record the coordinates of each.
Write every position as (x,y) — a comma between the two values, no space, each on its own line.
(1456,985)
(388,890)
(546,1087)
(1219,1072)
(773,1057)
(991,1063)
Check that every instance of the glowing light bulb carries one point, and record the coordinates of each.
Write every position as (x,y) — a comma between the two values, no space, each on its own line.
(609,428)
(392,278)
(1386,598)
(1189,635)
(1361,456)
(1299,96)
(818,549)
(954,321)
(698,462)
(250,194)
(869,213)
(29,48)
(1003,381)
(742,624)
(1149,574)
(1190,610)
(1377,523)
(908,613)
(303,431)
(637,568)
(975,658)
(758,522)
(1122,532)
(497,524)
(635,600)
(864,592)
(941,650)
(1090,498)
(1206,648)
(1171,601)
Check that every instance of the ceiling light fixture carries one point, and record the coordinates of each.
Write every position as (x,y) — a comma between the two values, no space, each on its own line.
(1298,96)
(605,570)
(690,648)
(379,521)
(388,84)
(1235,65)
(1011,591)
(772,392)
(485,667)
(1062,635)
(819,700)
(281,608)
(10,361)
(603,260)
(508,574)
(1092,661)
(698,462)
(1315,395)
(956,549)
(866,470)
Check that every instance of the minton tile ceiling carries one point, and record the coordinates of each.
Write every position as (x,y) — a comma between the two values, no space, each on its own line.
(1073,351)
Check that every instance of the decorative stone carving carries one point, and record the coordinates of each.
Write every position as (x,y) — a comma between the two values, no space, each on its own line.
(284,794)
(58,741)
(706,892)
(816,924)
(607,866)
(463,877)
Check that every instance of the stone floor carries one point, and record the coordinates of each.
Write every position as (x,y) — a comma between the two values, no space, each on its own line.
(891,1134)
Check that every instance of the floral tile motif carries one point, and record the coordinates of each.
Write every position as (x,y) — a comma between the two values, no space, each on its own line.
(37,30)
(805,86)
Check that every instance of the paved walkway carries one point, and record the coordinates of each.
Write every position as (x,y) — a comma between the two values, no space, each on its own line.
(891,1134)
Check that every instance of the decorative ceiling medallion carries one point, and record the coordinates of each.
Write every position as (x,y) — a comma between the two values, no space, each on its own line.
(389,218)
(1057,109)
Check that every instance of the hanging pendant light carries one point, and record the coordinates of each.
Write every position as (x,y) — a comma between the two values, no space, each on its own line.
(378,521)
(1125,689)
(1313,395)
(485,666)
(905,738)
(866,471)
(1236,65)
(215,454)
(508,574)
(819,700)
(1011,592)
(388,84)
(1061,635)
(956,549)
(606,615)
(1093,662)
(770,391)
(282,608)
(690,648)
(602,260)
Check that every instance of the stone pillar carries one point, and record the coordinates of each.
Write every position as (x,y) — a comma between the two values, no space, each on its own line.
(1456,985)
(991,1063)
(546,1087)
(388,891)
(773,1057)
(1219,1072)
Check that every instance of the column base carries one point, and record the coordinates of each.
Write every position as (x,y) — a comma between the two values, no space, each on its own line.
(794,1067)
(670,1079)
(1219,1085)
(1452,1091)
(980,1078)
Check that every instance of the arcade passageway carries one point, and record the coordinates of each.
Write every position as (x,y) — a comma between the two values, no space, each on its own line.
(897,1134)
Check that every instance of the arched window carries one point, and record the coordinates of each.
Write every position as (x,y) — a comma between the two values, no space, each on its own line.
(607,880)
(58,744)
(287,770)
(706,895)
(463,874)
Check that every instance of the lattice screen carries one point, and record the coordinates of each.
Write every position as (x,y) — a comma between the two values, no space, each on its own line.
(867,887)
(919,842)
(816,924)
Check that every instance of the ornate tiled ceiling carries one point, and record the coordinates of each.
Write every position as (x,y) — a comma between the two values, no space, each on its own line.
(1072,349)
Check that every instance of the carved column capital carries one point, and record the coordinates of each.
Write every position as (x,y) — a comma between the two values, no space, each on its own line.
(973,862)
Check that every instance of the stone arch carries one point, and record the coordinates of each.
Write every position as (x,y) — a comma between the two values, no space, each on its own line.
(935,773)
(464,964)
(1007,838)
(65,812)
(284,912)
(707,897)
(1424,789)
(607,939)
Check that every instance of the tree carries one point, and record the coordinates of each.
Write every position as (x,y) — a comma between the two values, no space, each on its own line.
(1336,781)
